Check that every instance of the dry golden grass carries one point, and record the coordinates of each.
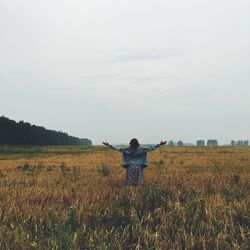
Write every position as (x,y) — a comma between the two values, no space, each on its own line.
(70,198)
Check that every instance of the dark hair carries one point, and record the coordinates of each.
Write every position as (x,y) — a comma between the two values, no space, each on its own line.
(134,143)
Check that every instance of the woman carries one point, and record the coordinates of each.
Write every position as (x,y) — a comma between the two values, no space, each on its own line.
(135,160)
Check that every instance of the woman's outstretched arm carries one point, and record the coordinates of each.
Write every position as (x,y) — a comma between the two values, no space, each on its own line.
(151,148)
(112,147)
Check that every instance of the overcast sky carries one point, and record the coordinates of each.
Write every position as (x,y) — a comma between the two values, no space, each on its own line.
(117,69)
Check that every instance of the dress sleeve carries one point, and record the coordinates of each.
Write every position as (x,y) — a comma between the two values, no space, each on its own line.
(151,148)
(116,148)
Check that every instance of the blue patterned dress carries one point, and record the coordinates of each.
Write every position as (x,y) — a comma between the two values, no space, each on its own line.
(135,161)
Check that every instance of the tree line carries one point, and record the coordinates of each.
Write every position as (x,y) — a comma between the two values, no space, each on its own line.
(23,133)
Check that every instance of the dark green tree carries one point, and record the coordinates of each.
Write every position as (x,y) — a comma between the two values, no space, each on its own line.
(23,133)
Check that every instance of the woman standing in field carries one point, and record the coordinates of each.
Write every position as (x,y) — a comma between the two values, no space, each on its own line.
(135,160)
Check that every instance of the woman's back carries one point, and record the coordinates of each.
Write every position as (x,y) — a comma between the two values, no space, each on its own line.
(134,160)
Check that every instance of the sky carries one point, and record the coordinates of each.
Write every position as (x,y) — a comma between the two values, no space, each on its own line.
(118,69)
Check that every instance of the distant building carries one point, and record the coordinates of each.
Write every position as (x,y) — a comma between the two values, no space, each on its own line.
(200,143)
(213,143)
(240,143)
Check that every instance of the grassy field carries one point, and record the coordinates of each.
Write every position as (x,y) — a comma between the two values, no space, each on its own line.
(75,198)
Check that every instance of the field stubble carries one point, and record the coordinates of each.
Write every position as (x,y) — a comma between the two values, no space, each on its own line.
(192,198)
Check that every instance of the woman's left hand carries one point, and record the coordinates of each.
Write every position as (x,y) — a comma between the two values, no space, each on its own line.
(163,142)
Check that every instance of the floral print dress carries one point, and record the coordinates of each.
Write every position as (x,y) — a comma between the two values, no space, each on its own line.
(134,175)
